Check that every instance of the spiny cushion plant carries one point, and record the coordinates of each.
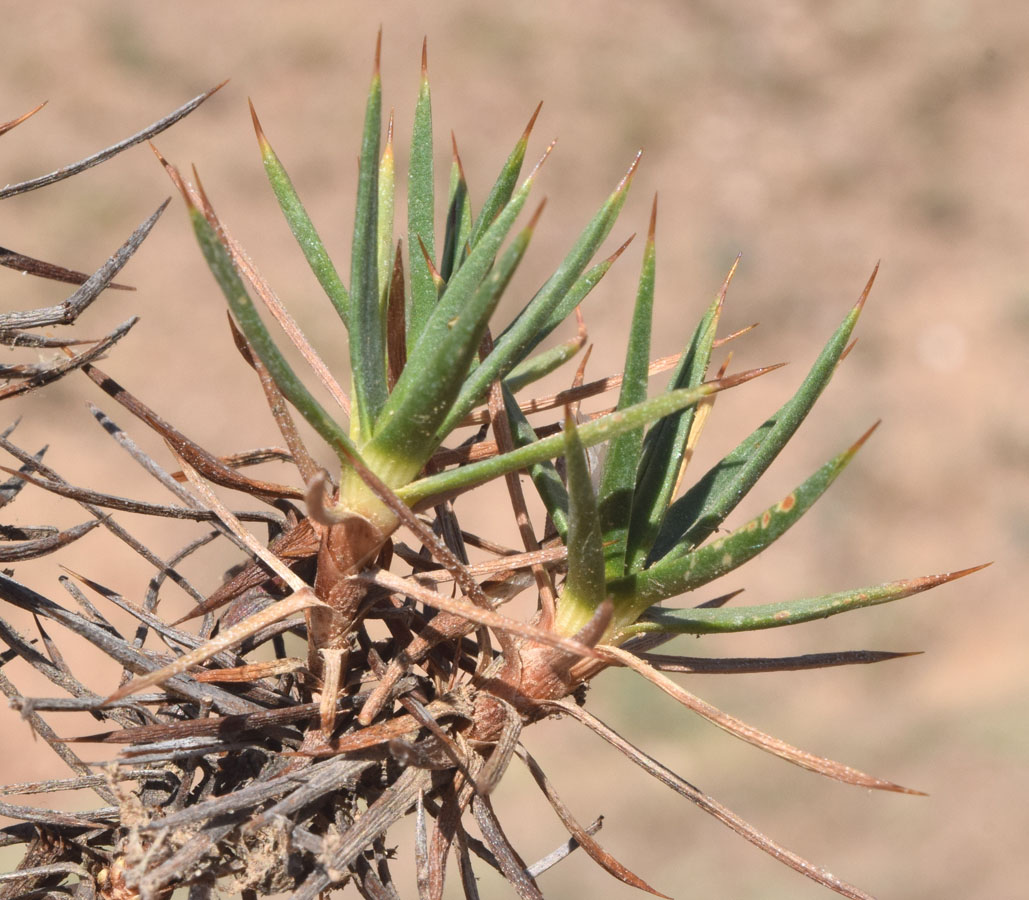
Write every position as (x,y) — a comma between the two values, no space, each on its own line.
(288,774)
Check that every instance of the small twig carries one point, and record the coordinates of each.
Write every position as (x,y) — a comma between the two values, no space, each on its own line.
(708,804)
(97,158)
(748,733)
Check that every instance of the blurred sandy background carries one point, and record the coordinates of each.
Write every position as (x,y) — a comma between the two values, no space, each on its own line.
(815,138)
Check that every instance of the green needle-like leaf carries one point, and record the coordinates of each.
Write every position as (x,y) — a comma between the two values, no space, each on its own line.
(421,210)
(565,307)
(790,612)
(300,224)
(459,219)
(516,342)
(704,507)
(665,444)
(544,475)
(221,266)
(542,364)
(618,479)
(679,573)
(502,189)
(405,437)
(450,483)
(367,343)
(583,589)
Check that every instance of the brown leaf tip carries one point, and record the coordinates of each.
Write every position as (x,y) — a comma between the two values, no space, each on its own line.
(927,582)
(868,287)
(542,159)
(534,220)
(258,130)
(846,350)
(653,221)
(457,156)
(425,58)
(861,440)
(724,289)
(722,341)
(627,177)
(532,121)
(733,380)
(174,175)
(208,210)
(610,260)
(580,325)
(217,88)
(433,271)
(961,573)
(14,123)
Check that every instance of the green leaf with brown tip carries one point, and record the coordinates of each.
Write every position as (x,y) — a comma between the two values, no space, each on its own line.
(221,266)
(566,306)
(618,477)
(302,227)
(367,334)
(544,475)
(583,590)
(504,186)
(459,220)
(789,612)
(421,212)
(704,506)
(680,573)
(665,445)
(541,365)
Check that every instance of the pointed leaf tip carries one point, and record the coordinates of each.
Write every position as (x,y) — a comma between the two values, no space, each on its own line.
(652,230)
(378,53)
(719,602)
(433,271)
(457,156)
(859,443)
(907,587)
(174,175)
(610,260)
(258,130)
(534,219)
(542,160)
(868,287)
(627,177)
(961,573)
(724,289)
(532,121)
(425,58)
(733,380)
(389,133)
(207,208)
(14,123)
(722,341)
